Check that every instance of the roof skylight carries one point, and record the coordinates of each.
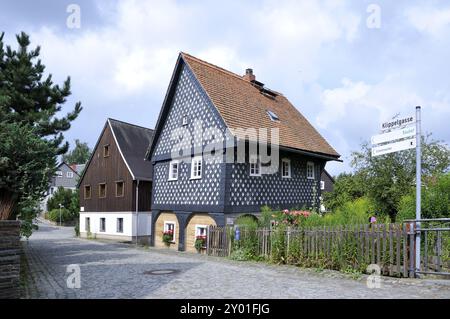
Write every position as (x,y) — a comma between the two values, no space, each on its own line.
(273,116)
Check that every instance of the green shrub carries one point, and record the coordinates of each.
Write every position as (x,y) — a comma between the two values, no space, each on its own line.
(68,199)
(351,213)
(54,215)
(435,200)
(77,228)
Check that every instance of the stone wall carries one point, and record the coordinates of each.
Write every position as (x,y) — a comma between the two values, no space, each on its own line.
(10,250)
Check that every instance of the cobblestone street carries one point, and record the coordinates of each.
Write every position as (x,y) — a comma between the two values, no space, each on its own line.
(113,270)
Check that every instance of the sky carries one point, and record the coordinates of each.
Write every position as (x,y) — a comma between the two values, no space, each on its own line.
(347,66)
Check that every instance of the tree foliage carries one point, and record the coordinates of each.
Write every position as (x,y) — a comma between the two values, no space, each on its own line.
(68,198)
(79,155)
(435,201)
(386,179)
(30,132)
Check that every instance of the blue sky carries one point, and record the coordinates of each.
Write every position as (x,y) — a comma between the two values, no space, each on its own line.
(345,76)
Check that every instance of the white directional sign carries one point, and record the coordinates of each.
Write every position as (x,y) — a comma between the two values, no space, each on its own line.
(394,135)
(393,147)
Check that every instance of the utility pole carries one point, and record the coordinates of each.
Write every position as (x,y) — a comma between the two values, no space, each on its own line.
(418,187)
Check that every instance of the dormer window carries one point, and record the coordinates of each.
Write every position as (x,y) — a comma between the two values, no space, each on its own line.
(185,120)
(273,116)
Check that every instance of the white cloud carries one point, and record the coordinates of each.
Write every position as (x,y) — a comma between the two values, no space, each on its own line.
(428,20)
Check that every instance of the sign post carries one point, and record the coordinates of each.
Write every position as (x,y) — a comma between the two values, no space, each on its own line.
(418,187)
(398,135)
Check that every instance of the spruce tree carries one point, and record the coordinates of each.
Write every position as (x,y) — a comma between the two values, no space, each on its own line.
(31,133)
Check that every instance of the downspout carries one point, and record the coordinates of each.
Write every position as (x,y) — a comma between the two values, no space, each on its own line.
(137,210)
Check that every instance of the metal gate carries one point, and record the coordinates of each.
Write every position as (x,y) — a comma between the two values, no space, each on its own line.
(434,237)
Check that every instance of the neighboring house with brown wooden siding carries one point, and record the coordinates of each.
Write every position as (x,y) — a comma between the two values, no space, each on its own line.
(189,193)
(115,188)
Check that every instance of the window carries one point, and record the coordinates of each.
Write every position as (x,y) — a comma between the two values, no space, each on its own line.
(87,224)
(103,224)
(322,185)
(310,170)
(185,120)
(169,227)
(102,190)
(273,116)
(106,150)
(120,225)
(87,191)
(196,167)
(200,233)
(69,174)
(200,230)
(173,171)
(286,168)
(119,189)
(255,166)
(59,174)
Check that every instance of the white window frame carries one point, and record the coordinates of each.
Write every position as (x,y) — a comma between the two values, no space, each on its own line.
(166,223)
(59,174)
(194,162)
(253,162)
(322,185)
(288,161)
(171,178)
(310,165)
(197,227)
(100,225)
(117,225)
(69,174)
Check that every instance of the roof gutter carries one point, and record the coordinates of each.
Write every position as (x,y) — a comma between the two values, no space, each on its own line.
(318,155)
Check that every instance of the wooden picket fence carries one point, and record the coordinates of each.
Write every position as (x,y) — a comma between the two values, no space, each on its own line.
(218,241)
(388,246)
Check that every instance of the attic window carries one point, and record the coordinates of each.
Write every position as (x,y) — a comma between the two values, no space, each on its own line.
(273,116)
(185,120)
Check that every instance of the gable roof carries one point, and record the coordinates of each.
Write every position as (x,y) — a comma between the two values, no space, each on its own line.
(241,104)
(132,142)
(70,167)
(325,173)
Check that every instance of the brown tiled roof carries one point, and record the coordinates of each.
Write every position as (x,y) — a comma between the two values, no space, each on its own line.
(242,105)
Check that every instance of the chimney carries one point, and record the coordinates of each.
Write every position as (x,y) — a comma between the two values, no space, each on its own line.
(249,76)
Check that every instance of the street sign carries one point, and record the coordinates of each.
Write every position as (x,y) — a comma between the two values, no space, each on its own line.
(408,120)
(394,135)
(393,147)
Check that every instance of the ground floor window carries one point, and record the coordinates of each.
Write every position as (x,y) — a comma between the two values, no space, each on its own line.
(103,224)
(200,236)
(87,224)
(169,232)
(120,225)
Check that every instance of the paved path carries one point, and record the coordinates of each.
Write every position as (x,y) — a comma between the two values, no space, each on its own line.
(112,270)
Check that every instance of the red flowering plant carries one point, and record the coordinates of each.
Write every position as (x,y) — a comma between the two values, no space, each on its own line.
(200,242)
(167,237)
(293,217)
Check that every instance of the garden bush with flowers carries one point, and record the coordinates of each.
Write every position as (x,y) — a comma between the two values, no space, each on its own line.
(167,237)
